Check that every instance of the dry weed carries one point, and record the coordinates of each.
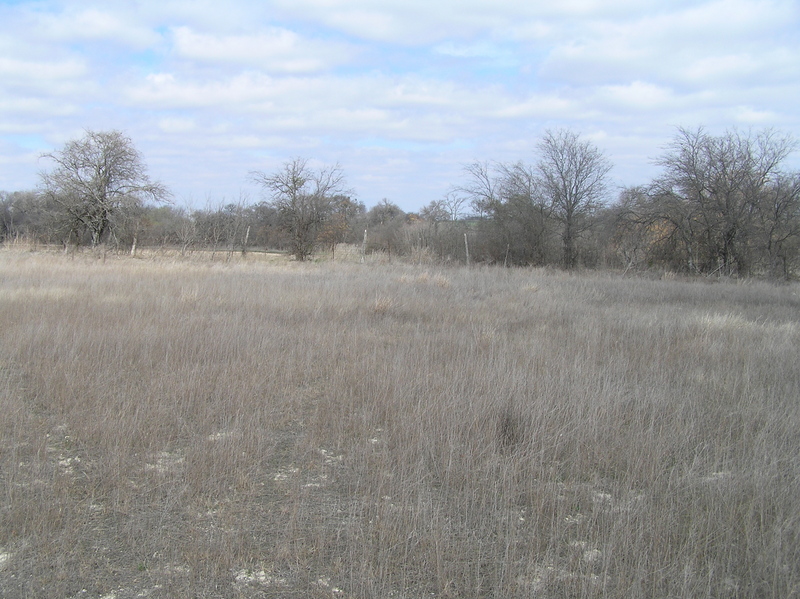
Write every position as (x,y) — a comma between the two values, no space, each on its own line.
(251,428)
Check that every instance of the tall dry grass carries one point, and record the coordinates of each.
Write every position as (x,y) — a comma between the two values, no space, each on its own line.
(244,429)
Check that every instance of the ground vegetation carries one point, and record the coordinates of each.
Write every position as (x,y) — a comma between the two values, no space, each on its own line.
(258,427)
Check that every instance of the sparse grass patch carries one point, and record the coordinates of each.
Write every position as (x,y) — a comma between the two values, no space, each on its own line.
(249,428)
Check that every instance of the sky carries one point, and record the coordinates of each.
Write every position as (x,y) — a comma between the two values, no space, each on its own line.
(400,93)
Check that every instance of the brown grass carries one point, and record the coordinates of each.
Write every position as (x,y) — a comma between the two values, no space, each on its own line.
(252,428)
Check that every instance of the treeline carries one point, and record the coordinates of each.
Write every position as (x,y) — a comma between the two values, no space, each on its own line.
(224,226)
(721,205)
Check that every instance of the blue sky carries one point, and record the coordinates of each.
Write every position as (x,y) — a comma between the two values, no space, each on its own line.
(401,93)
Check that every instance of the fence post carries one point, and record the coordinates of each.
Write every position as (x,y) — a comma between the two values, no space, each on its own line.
(364,247)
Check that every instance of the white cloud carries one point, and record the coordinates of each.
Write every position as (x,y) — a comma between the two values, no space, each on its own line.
(538,106)
(399,91)
(750,116)
(40,72)
(722,68)
(422,21)
(28,113)
(274,49)
(177,125)
(484,53)
(476,50)
(161,91)
(722,40)
(406,107)
(638,95)
(96,24)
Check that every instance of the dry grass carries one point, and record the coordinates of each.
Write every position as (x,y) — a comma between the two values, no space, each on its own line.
(252,428)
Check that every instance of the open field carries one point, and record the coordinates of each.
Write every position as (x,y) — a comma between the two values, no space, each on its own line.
(251,428)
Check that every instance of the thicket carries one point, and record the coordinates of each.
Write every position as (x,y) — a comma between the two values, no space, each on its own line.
(721,205)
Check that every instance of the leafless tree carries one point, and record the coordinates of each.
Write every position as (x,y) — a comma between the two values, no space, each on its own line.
(480,187)
(636,229)
(778,224)
(454,203)
(186,229)
(97,179)
(573,179)
(338,226)
(435,212)
(303,198)
(716,189)
(385,221)
(520,180)
(526,205)
(519,226)
(20,215)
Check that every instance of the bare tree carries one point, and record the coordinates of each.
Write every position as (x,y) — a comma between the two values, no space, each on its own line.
(211,225)
(636,229)
(518,227)
(435,212)
(20,215)
(480,187)
(303,198)
(186,229)
(385,221)
(713,190)
(97,179)
(518,179)
(778,225)
(454,202)
(573,178)
(338,227)
(526,206)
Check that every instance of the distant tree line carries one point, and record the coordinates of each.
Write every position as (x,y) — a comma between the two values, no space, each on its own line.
(720,205)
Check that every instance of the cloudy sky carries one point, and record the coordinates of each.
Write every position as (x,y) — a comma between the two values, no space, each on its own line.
(401,93)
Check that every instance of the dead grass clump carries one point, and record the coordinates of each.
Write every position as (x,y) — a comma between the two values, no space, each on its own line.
(510,428)
(383,305)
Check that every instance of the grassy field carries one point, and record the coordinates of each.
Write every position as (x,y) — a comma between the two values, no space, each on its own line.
(261,428)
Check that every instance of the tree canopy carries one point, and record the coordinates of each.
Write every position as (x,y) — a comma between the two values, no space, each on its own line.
(97,179)
(304,198)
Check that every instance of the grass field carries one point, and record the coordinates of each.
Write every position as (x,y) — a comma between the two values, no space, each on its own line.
(262,428)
